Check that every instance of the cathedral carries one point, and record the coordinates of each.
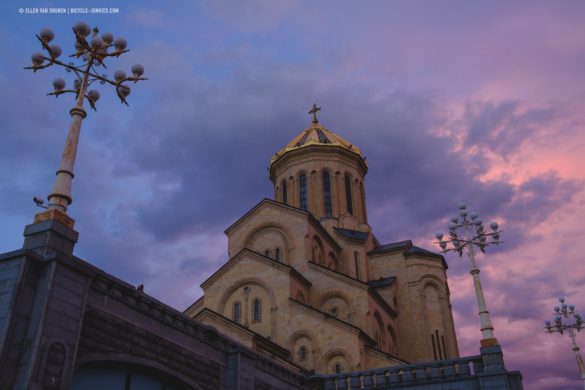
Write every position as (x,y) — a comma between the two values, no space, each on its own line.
(307,281)
(309,299)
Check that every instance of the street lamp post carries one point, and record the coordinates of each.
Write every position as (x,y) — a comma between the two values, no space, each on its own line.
(566,320)
(90,56)
(466,233)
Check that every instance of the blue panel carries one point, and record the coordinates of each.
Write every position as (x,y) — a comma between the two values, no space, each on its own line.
(99,379)
(141,382)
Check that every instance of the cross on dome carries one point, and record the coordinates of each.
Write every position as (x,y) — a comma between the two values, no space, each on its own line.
(313,111)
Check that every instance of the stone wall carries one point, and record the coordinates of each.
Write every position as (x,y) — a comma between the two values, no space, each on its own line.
(59,313)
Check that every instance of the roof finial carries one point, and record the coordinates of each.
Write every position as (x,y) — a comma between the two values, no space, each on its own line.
(313,111)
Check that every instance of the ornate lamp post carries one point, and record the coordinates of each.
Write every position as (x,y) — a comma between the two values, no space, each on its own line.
(566,320)
(466,233)
(90,56)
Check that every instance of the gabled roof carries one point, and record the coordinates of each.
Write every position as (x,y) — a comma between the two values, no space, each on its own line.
(352,234)
(415,250)
(391,247)
(287,268)
(408,250)
(307,214)
(258,205)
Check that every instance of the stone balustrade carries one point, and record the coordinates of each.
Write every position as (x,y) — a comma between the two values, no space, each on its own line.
(402,376)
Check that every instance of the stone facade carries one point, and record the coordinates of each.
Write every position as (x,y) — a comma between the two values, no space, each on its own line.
(307,273)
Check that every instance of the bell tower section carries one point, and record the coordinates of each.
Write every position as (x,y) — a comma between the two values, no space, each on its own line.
(322,173)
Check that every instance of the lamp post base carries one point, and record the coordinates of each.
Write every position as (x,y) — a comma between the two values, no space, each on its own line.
(55,214)
(489,342)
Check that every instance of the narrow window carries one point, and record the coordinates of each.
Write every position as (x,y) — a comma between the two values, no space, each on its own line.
(434,346)
(356,261)
(363,199)
(439,344)
(348,194)
(303,191)
(257,310)
(236,312)
(277,254)
(444,348)
(302,353)
(267,253)
(337,368)
(327,193)
(284,192)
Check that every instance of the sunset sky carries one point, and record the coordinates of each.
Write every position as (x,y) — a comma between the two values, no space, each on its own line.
(474,101)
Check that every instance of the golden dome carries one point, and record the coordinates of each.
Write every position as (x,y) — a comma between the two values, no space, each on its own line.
(317,134)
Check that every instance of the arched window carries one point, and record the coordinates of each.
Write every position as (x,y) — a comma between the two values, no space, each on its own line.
(348,194)
(327,194)
(277,254)
(257,310)
(337,368)
(267,253)
(284,192)
(303,191)
(236,312)
(303,353)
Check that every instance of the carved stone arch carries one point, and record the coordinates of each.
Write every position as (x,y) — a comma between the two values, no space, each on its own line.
(434,281)
(241,283)
(126,359)
(267,327)
(297,334)
(334,355)
(434,309)
(337,304)
(286,253)
(306,339)
(334,293)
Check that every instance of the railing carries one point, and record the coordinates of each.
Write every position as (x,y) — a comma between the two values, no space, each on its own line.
(412,374)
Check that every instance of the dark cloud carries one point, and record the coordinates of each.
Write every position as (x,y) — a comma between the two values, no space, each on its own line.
(507,125)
